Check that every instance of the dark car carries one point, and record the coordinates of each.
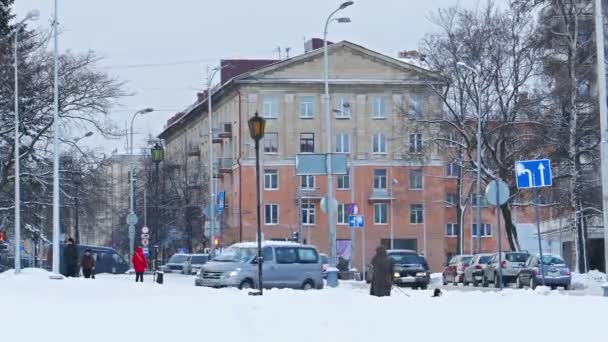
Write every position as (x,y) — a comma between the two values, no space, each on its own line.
(453,271)
(107,260)
(555,270)
(410,269)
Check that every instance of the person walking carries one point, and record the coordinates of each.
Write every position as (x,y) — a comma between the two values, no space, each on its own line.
(70,257)
(382,278)
(88,264)
(139,264)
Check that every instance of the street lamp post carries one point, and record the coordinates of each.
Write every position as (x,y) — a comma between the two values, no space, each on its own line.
(132,218)
(32,15)
(332,277)
(478,137)
(257,124)
(158,155)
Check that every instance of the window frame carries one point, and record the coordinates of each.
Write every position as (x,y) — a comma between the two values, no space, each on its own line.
(268,142)
(380,208)
(416,106)
(378,103)
(380,180)
(276,219)
(274,104)
(378,141)
(450,227)
(307,182)
(411,178)
(307,213)
(340,139)
(419,214)
(450,166)
(307,139)
(344,216)
(416,143)
(342,114)
(347,176)
(310,107)
(269,174)
(485,226)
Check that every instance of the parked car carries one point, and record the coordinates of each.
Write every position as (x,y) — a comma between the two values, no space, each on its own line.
(555,270)
(473,274)
(325,262)
(285,265)
(411,269)
(454,270)
(512,262)
(178,263)
(197,261)
(107,260)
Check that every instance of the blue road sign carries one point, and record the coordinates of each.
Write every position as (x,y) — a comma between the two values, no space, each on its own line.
(533,173)
(221,201)
(356,221)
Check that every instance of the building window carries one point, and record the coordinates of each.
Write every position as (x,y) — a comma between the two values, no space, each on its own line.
(416,213)
(416,143)
(271,179)
(378,108)
(308,213)
(342,214)
(451,139)
(271,143)
(380,179)
(308,182)
(416,106)
(344,110)
(451,199)
(485,231)
(416,182)
(379,143)
(483,200)
(271,107)
(307,107)
(343,182)
(271,212)
(380,213)
(452,169)
(452,229)
(307,142)
(342,143)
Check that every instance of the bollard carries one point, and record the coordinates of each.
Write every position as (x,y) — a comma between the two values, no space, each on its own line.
(332,277)
(605,287)
(159,275)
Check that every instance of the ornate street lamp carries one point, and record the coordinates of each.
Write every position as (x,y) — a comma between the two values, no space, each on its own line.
(257,125)
(157,153)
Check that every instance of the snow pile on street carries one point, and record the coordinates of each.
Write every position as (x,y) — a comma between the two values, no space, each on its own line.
(592,280)
(115,308)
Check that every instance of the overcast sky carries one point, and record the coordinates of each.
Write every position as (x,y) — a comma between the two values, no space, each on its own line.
(162,48)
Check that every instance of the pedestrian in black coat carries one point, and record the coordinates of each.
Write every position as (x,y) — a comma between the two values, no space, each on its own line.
(70,258)
(382,279)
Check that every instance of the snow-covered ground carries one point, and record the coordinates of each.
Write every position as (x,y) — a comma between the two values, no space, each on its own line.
(115,308)
(592,281)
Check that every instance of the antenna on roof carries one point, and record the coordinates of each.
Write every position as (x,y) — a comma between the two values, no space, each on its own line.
(287,49)
(279,50)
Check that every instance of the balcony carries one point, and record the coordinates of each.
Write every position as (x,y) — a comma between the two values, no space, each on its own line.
(225,130)
(309,194)
(224,165)
(377,195)
(217,139)
(194,151)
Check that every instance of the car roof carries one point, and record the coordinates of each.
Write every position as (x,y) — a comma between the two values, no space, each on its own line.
(269,243)
(401,251)
(200,254)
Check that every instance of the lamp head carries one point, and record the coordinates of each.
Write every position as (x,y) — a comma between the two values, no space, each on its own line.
(88,134)
(146,110)
(157,152)
(257,125)
(346,4)
(343,20)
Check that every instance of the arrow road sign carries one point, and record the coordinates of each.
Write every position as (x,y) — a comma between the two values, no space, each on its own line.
(533,173)
(356,221)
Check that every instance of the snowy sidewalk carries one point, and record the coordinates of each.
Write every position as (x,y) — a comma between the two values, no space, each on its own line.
(115,308)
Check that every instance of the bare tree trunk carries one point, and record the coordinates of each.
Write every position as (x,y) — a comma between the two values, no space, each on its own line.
(510,227)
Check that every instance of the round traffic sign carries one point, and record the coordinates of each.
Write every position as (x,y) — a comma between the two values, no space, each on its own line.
(145,230)
(497,192)
(145,242)
(132,219)
(334,205)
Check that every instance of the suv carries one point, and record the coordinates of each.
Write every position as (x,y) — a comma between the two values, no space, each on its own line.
(512,262)
(555,269)
(454,270)
(197,261)
(410,269)
(285,265)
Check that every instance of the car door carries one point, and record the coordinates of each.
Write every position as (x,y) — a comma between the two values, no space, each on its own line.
(451,269)
(286,267)
(468,272)
(489,273)
(269,268)
(526,272)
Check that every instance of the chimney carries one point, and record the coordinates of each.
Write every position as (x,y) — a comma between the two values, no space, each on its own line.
(202,96)
(313,44)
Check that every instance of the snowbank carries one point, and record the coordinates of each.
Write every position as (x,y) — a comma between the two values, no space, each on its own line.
(115,308)
(592,280)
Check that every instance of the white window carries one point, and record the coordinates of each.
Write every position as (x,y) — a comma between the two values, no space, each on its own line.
(344,110)
(452,229)
(451,199)
(343,143)
(308,182)
(483,200)
(416,182)
(416,213)
(271,213)
(486,229)
(452,169)
(342,214)
(416,106)
(380,213)
(271,179)
(307,107)
(271,143)
(343,182)
(416,143)
(379,143)
(452,139)
(378,107)
(271,107)
(380,179)
(308,213)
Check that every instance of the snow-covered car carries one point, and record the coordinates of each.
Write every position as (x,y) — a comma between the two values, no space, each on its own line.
(178,263)
(511,264)
(554,268)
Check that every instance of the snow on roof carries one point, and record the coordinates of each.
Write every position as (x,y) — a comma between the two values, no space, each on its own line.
(254,244)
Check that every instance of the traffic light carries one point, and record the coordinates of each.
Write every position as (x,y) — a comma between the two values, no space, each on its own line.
(216,242)
(296,236)
(2,235)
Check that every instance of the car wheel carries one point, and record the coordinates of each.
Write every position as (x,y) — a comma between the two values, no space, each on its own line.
(485,282)
(246,284)
(518,283)
(455,281)
(475,283)
(532,283)
(424,286)
(553,287)
(308,285)
(445,281)
(465,282)
(568,287)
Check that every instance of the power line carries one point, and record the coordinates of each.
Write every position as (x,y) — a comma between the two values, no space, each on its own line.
(150,65)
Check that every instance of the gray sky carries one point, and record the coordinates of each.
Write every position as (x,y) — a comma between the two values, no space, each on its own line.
(162,48)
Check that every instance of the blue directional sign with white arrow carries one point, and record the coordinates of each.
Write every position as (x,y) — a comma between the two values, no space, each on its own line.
(533,173)
(356,221)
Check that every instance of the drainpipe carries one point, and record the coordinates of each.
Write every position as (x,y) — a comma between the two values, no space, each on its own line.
(238,162)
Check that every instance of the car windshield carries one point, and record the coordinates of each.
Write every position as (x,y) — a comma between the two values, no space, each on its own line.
(199,259)
(466,260)
(178,259)
(485,259)
(553,260)
(236,255)
(324,259)
(517,257)
(405,258)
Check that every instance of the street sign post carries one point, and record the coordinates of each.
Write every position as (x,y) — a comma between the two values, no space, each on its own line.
(497,193)
(535,174)
(356,221)
(132,219)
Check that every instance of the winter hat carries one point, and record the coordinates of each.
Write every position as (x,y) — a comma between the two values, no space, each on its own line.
(71,240)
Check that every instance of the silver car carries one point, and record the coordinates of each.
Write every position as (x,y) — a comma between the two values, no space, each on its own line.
(178,263)
(285,265)
(512,263)
(473,274)
(197,261)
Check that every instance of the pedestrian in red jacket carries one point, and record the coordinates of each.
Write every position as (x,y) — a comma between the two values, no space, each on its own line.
(139,264)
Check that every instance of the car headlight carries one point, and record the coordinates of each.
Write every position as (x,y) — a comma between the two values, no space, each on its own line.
(420,274)
(396,275)
(234,273)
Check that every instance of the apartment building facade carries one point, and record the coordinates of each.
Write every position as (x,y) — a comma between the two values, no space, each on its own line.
(402,183)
